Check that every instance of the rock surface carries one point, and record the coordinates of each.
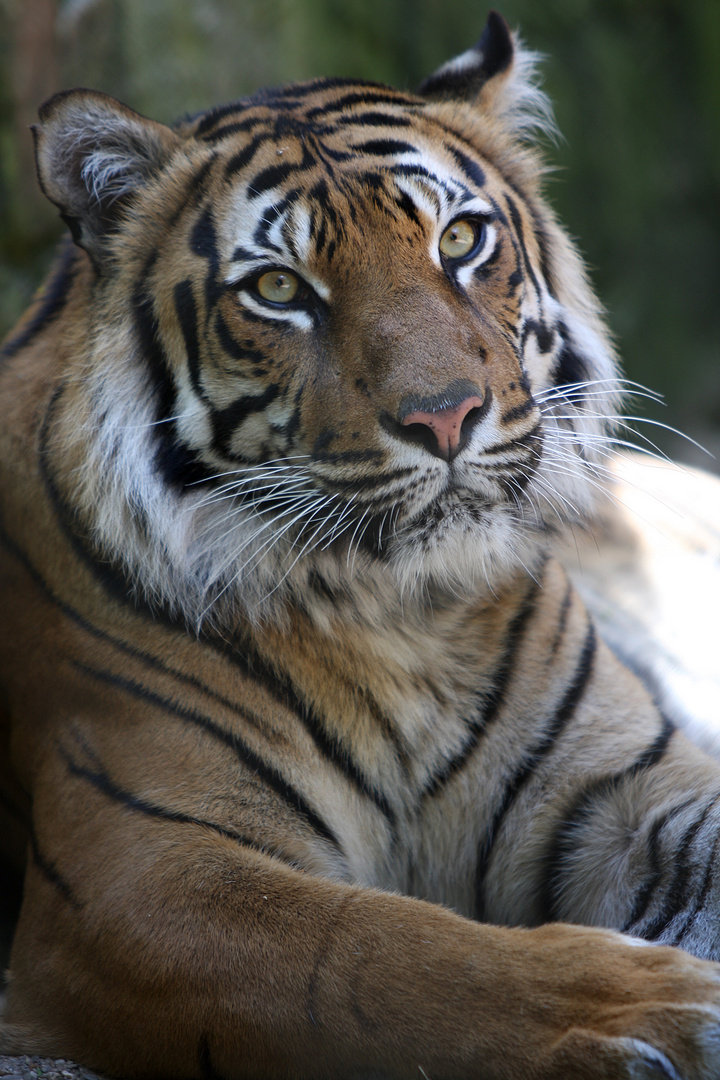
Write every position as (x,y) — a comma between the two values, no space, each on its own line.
(37,1068)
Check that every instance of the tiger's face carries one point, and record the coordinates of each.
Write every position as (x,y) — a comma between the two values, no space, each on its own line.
(345,330)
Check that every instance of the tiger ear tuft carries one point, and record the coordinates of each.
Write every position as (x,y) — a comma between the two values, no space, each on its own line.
(499,75)
(92,153)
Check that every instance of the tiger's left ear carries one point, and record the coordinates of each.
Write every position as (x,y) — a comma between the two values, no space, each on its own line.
(93,154)
(499,76)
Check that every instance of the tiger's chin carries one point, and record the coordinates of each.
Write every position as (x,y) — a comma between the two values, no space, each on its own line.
(464,545)
(458,546)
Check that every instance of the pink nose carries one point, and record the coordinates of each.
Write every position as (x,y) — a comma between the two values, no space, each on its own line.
(445,424)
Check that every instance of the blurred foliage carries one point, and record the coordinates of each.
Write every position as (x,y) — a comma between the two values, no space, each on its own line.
(636,84)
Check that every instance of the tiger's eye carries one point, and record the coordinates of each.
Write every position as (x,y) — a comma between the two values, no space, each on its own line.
(278,286)
(458,240)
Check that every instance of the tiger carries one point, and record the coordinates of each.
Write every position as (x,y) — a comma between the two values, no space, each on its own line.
(314,758)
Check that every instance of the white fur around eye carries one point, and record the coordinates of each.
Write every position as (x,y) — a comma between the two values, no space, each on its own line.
(294,315)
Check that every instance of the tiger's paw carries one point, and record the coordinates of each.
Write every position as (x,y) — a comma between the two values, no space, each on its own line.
(652,1014)
(635,1059)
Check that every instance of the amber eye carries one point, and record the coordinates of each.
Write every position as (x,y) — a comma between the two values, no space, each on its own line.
(278,286)
(459,239)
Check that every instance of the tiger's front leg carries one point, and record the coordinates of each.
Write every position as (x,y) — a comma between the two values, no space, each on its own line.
(629,840)
(640,852)
(162,948)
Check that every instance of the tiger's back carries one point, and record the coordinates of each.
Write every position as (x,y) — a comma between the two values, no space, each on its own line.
(297,693)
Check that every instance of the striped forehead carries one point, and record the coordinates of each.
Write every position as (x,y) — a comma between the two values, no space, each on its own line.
(293,188)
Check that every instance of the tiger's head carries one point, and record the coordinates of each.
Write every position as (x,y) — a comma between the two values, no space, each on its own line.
(333,334)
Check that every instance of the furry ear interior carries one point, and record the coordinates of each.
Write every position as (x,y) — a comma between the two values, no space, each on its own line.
(92,153)
(499,76)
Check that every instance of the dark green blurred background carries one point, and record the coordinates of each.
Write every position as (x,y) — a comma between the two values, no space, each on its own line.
(636,84)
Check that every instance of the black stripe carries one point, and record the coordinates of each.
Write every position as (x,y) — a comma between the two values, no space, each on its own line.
(543,242)
(195,186)
(50,302)
(522,775)
(483,270)
(385,147)
(562,619)
(678,890)
(148,334)
(528,440)
(261,236)
(243,254)
(473,171)
(101,780)
(492,702)
(646,893)
(203,243)
(700,898)
(544,335)
(376,119)
(570,368)
(408,207)
(178,464)
(327,154)
(344,457)
(252,761)
(418,170)
(518,411)
(244,157)
(520,235)
(52,874)
(367,94)
(654,753)
(367,483)
(225,422)
(252,719)
(332,749)
(109,575)
(579,813)
(328,744)
(186,311)
(208,120)
(227,131)
(238,350)
(274,175)
(233,128)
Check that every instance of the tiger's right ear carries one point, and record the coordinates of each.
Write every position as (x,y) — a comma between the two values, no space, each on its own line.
(92,153)
(498,77)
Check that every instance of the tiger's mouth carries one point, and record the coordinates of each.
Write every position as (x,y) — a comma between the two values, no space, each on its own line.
(455,511)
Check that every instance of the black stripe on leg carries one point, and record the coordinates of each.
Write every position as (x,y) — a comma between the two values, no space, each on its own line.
(523,774)
(252,761)
(699,901)
(677,893)
(51,873)
(580,812)
(100,779)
